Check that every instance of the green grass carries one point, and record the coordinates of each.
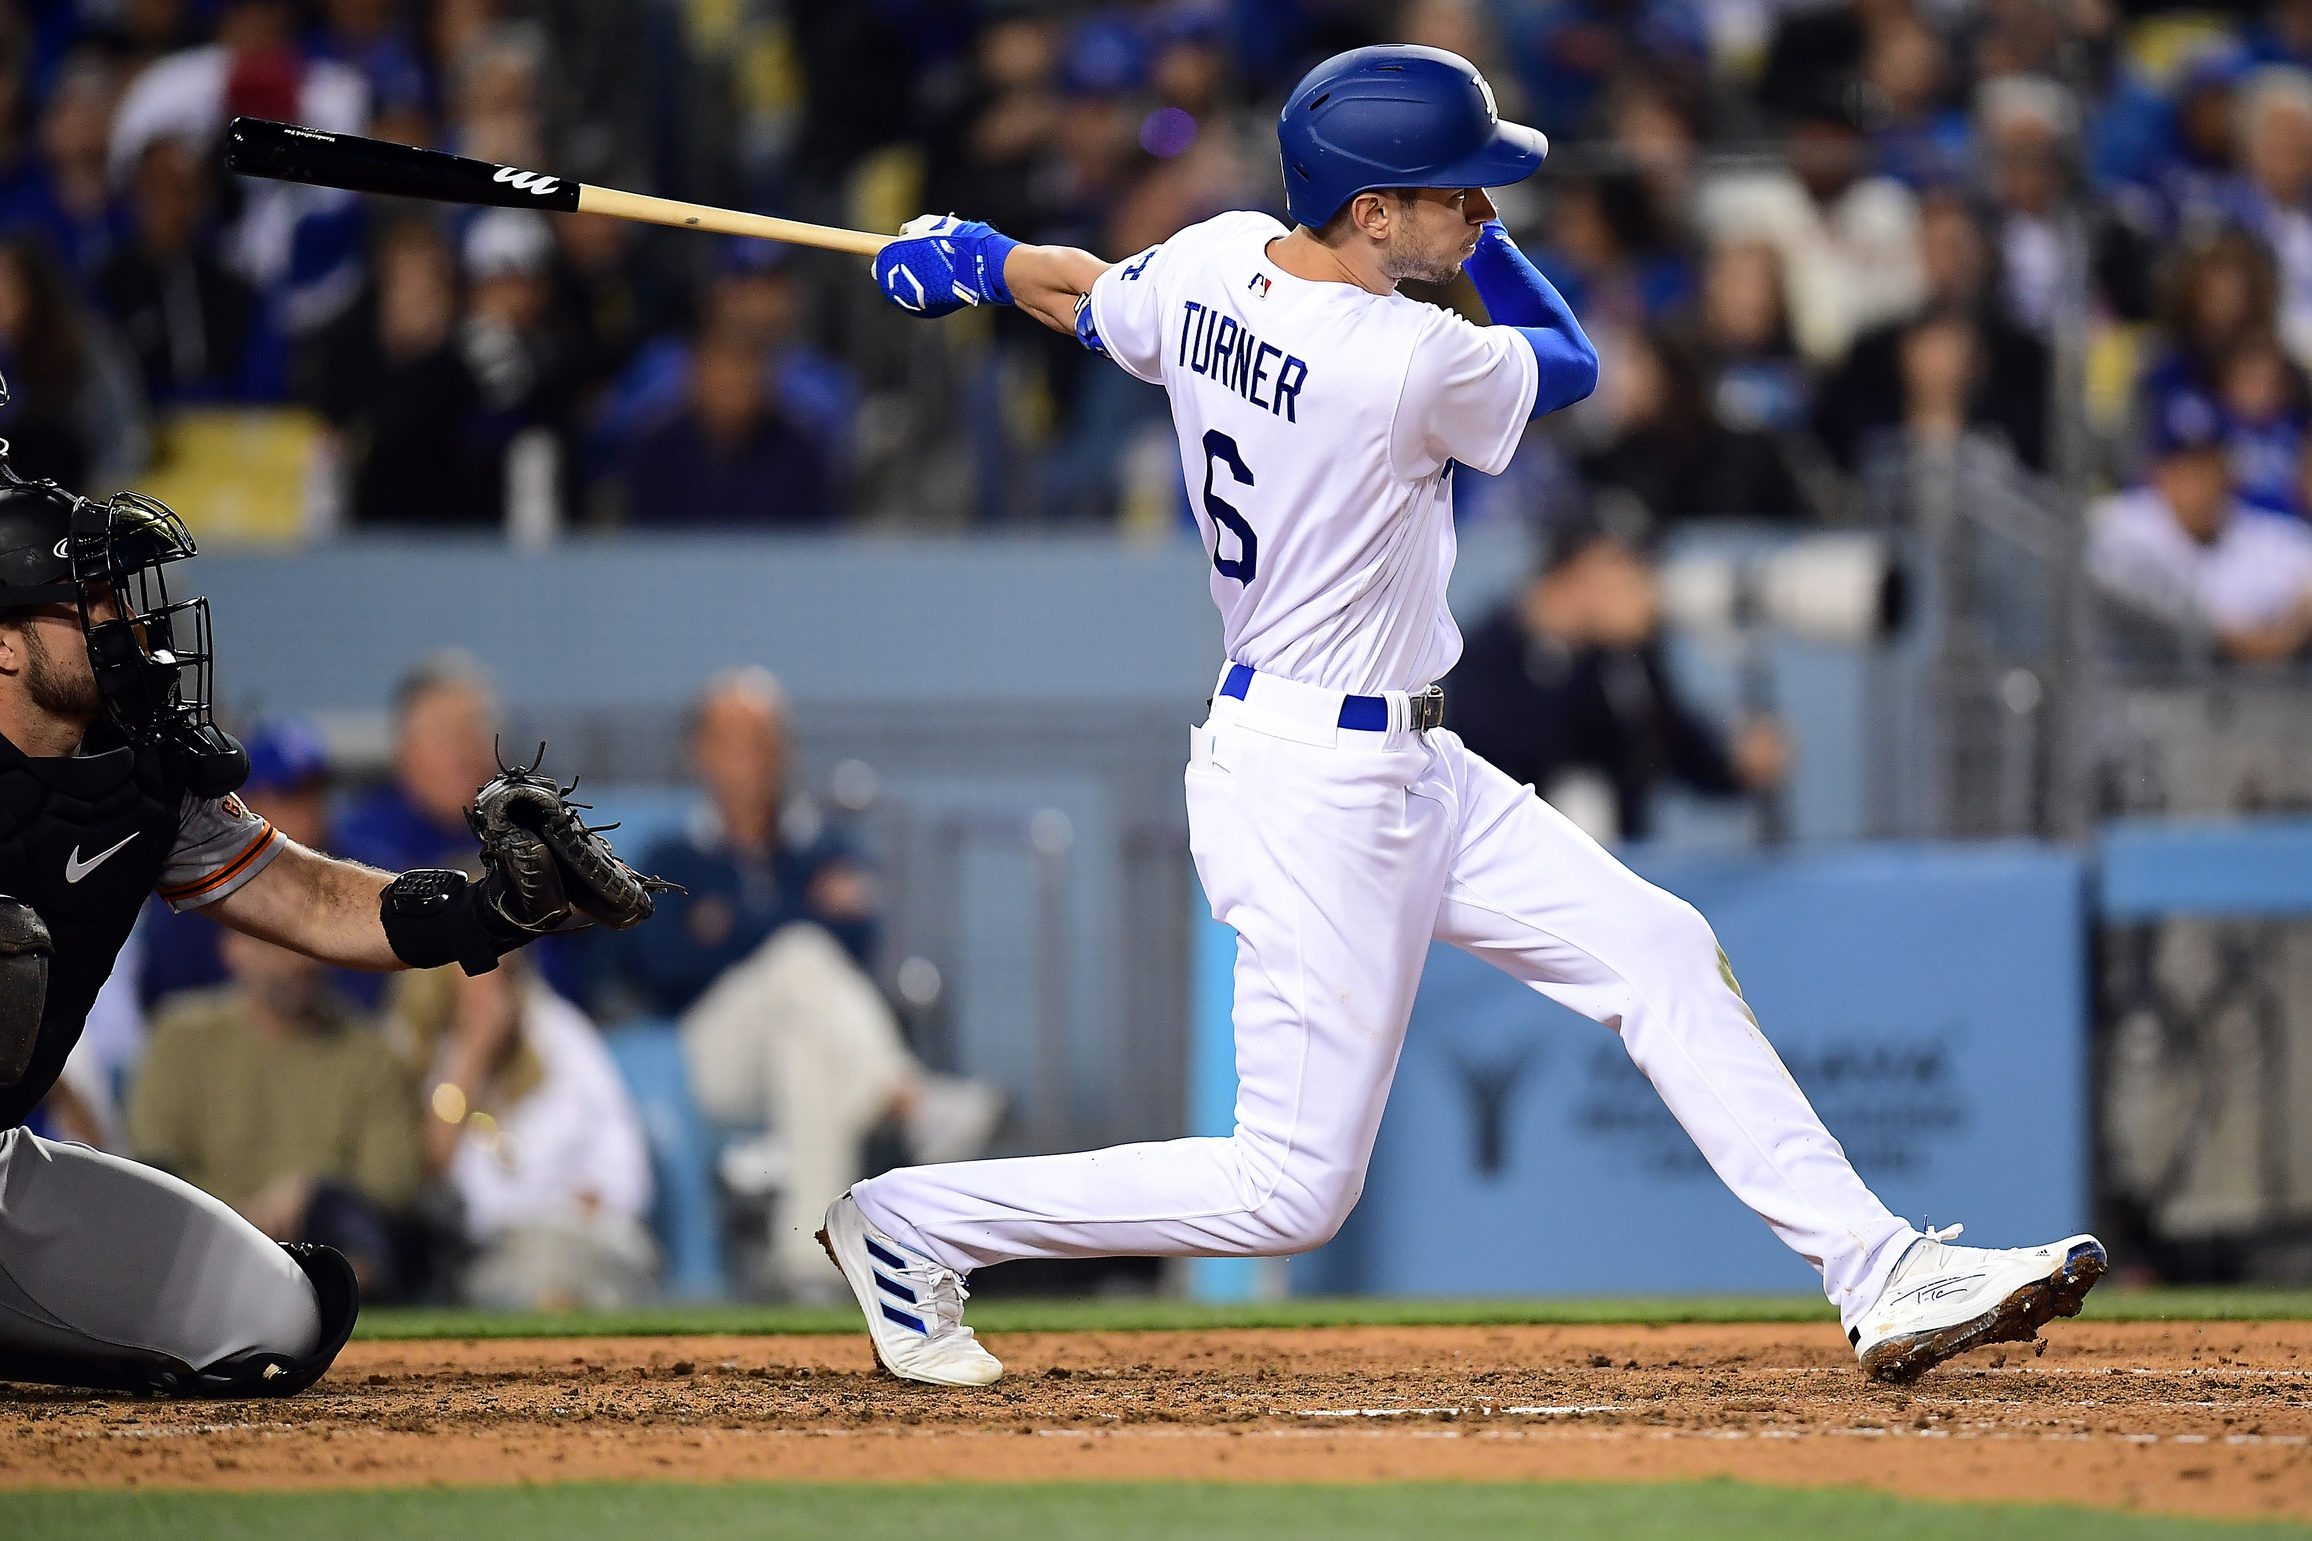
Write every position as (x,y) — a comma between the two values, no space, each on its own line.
(2107,1304)
(1114,1512)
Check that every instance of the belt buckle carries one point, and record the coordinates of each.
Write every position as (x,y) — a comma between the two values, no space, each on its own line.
(1427,709)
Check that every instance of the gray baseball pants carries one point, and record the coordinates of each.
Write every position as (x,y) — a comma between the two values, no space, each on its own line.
(101,1258)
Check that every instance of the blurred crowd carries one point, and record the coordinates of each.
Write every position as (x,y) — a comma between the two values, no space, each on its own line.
(1812,237)
(483,1139)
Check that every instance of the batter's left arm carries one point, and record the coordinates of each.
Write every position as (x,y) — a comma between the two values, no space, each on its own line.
(1517,295)
(321,906)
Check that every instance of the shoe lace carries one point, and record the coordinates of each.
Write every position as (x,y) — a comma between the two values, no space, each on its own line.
(1949,1232)
(945,1292)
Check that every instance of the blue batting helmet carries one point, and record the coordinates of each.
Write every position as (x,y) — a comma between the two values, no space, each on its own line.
(1396,116)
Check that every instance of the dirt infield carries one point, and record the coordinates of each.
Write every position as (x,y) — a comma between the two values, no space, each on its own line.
(2204,1418)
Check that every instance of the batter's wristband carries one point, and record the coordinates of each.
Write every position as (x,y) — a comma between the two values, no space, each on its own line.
(434,916)
(996,249)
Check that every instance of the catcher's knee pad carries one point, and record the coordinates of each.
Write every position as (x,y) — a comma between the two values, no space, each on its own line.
(264,1373)
(257,1373)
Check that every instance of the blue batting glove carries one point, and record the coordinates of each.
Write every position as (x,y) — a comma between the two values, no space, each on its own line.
(941,264)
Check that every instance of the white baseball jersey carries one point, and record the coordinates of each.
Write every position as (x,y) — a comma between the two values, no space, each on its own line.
(1319,428)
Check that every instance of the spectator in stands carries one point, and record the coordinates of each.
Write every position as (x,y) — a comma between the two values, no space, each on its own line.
(983,150)
(1940,362)
(1815,55)
(610,297)
(1565,689)
(2275,191)
(1743,332)
(2028,132)
(1617,263)
(781,1025)
(74,412)
(2026,128)
(730,456)
(1666,447)
(374,39)
(496,74)
(756,298)
(1849,241)
(534,1134)
(2267,408)
(1917,136)
(2192,178)
(2187,552)
(1570,52)
(288,787)
(392,383)
(273,1095)
(2218,295)
(444,748)
(524,410)
(134,35)
(67,197)
(299,246)
(1866,398)
(192,322)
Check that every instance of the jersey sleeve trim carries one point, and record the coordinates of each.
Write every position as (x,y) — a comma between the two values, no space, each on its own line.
(252,859)
(1101,285)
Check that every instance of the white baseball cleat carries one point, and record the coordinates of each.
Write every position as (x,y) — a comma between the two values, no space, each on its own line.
(1942,1300)
(914,1306)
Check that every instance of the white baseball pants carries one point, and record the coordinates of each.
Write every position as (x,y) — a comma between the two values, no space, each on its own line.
(1336,855)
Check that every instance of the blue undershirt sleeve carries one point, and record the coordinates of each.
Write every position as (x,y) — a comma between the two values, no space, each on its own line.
(1516,295)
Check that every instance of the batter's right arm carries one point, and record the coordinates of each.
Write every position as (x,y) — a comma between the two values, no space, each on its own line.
(1047,281)
(941,264)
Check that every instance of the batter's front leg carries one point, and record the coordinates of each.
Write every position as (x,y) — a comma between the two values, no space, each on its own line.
(1534,896)
(1329,868)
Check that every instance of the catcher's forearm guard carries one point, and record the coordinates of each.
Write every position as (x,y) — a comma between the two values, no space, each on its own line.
(434,916)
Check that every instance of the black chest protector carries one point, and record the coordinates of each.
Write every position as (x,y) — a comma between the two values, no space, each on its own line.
(83,840)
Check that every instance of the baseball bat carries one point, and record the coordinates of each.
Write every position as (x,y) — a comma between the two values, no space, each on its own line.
(286,152)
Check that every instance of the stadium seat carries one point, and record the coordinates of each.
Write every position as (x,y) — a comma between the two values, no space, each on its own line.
(682,1156)
(238,475)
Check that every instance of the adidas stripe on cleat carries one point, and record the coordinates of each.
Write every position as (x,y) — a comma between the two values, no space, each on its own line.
(913,1306)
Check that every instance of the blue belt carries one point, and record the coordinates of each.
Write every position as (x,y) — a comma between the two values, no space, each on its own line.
(1366,714)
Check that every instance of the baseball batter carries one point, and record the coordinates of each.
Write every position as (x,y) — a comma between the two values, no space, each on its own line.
(1322,419)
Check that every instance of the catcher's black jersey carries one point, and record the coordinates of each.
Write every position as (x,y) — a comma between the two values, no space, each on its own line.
(84,839)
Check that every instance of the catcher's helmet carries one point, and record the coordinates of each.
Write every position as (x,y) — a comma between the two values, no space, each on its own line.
(152,655)
(1395,116)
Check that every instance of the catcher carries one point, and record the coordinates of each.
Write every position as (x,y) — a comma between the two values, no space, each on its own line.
(116,782)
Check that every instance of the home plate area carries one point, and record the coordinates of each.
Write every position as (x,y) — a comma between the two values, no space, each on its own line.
(2192,1418)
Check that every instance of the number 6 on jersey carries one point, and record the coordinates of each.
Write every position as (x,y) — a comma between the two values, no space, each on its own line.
(1220,448)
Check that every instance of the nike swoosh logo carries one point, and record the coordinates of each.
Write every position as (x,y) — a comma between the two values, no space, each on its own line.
(75,869)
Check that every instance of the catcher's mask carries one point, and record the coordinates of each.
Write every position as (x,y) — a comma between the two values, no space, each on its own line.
(151,653)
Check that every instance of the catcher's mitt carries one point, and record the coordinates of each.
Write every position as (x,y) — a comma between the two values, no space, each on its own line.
(543,865)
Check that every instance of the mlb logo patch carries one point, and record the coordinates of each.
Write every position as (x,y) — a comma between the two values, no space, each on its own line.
(1259,285)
